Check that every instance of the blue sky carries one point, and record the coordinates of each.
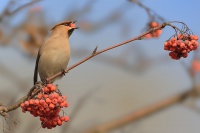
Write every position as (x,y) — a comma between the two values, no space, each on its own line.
(181,10)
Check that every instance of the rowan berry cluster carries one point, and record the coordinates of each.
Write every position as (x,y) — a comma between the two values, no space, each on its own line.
(47,105)
(181,45)
(154,34)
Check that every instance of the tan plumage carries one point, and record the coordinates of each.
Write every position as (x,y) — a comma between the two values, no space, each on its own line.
(54,54)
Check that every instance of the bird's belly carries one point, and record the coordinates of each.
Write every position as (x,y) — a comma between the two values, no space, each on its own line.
(52,63)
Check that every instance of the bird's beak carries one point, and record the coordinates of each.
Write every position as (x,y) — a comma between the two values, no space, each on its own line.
(72,25)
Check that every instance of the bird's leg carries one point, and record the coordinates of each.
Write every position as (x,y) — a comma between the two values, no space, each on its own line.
(63,72)
(45,81)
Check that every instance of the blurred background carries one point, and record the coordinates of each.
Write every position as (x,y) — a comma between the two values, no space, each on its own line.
(136,88)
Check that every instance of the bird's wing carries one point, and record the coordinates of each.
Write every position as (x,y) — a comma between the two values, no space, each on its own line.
(36,68)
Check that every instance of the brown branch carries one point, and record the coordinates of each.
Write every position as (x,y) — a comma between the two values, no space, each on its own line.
(138,114)
(139,65)
(38,86)
(107,49)
(33,91)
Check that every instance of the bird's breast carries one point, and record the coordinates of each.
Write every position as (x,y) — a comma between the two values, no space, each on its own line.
(53,58)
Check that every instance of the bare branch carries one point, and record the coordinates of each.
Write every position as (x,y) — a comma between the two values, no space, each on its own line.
(34,91)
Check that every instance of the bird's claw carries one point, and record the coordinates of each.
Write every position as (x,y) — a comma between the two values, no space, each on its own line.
(63,72)
(45,81)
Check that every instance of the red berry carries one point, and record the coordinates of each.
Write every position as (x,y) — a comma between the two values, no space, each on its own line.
(26,103)
(56,95)
(51,106)
(46,89)
(66,118)
(49,85)
(42,101)
(154,24)
(53,88)
(59,122)
(48,100)
(66,104)
(62,118)
(45,95)
(62,104)
(39,96)
(64,97)
(54,101)
(22,105)
(31,101)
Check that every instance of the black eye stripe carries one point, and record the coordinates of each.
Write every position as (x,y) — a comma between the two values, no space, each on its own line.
(67,24)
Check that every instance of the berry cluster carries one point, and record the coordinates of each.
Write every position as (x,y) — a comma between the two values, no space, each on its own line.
(181,45)
(47,105)
(154,34)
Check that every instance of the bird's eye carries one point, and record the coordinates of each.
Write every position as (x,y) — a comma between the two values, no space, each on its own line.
(67,24)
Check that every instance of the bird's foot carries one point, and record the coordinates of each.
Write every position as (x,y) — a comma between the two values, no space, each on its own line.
(45,81)
(63,72)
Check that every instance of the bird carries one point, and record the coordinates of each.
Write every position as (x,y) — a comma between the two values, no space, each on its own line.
(53,56)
